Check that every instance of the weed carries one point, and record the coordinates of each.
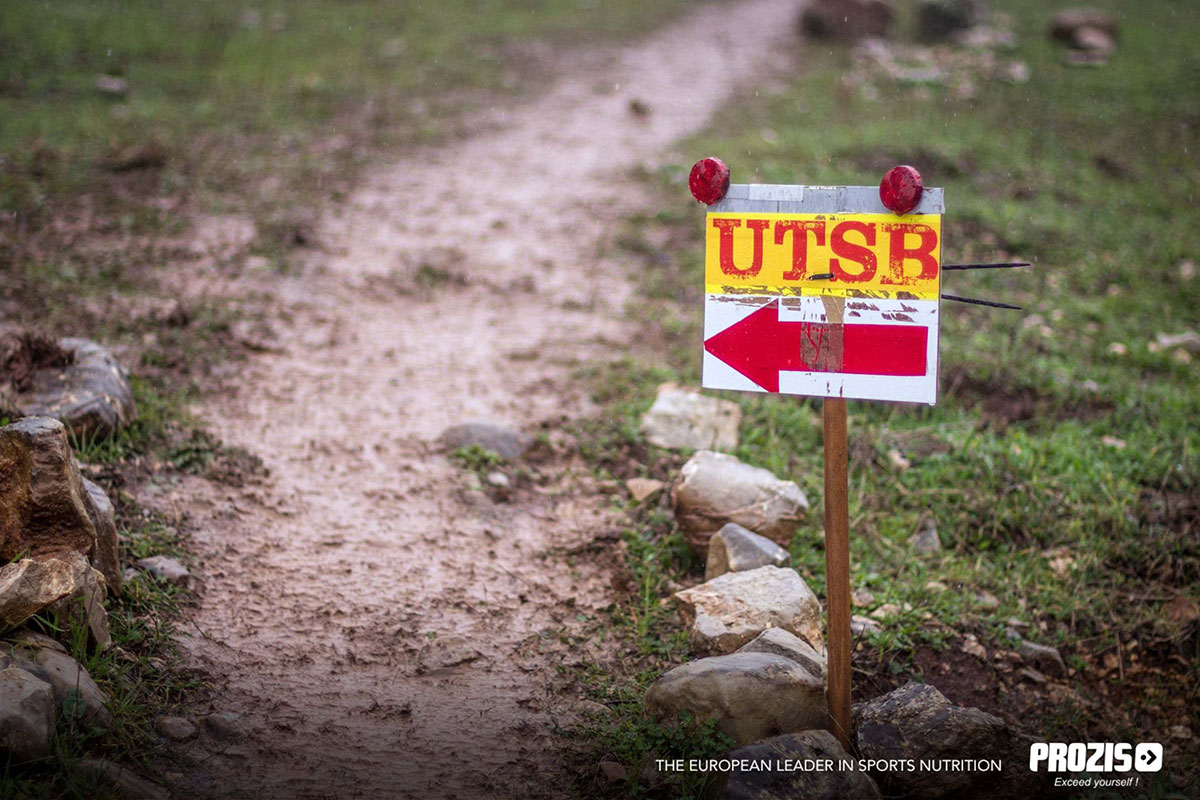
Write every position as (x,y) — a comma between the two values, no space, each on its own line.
(477,458)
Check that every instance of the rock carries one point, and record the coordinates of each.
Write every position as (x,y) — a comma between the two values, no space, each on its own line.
(28,586)
(862,598)
(65,676)
(925,540)
(498,479)
(44,505)
(686,419)
(91,396)
(987,600)
(750,695)
(175,729)
(26,716)
(85,604)
(860,625)
(112,85)
(847,20)
(781,643)
(728,611)
(611,771)
(1188,340)
(735,549)
(822,784)
(940,20)
(1093,40)
(32,639)
(642,488)
(222,725)
(127,784)
(714,489)
(449,650)
(502,441)
(105,555)
(917,722)
(1065,23)
(166,569)
(1044,657)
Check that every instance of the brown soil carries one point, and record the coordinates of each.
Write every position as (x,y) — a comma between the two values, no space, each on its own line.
(382,628)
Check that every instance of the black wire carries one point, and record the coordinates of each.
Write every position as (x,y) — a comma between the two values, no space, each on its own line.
(972,301)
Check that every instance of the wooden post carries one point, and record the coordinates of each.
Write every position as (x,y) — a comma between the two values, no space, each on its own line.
(837,568)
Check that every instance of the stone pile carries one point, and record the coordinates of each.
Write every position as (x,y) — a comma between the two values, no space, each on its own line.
(58,542)
(760,675)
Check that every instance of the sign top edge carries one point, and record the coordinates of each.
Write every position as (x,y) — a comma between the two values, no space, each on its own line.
(801,199)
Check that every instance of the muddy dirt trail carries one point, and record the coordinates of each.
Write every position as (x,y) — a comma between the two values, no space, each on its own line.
(381,629)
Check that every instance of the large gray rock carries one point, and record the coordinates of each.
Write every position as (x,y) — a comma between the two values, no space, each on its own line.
(714,489)
(26,716)
(91,396)
(28,586)
(727,612)
(85,604)
(126,783)
(750,695)
(503,441)
(67,678)
(797,784)
(847,20)
(917,722)
(779,642)
(105,555)
(43,504)
(685,419)
(735,549)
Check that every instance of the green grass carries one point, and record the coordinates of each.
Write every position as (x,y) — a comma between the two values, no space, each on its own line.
(1045,442)
(237,92)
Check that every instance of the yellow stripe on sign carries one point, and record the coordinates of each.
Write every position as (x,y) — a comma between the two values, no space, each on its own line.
(870,255)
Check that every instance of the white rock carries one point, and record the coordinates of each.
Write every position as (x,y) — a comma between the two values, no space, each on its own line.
(685,419)
(750,695)
(167,569)
(728,611)
(735,549)
(714,489)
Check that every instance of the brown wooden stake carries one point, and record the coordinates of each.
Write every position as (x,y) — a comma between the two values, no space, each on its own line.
(837,568)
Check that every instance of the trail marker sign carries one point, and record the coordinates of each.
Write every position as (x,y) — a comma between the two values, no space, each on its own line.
(822,291)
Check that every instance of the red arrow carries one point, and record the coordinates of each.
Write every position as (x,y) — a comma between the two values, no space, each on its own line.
(759,346)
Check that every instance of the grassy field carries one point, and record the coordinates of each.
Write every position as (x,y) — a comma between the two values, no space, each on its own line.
(1061,463)
(266,111)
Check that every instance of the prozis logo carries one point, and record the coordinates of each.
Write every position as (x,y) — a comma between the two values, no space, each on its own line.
(1095,757)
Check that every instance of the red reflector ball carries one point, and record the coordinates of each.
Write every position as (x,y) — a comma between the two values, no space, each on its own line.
(900,190)
(709,180)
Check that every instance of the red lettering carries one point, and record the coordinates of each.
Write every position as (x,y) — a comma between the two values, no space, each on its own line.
(854,252)
(799,230)
(898,253)
(726,226)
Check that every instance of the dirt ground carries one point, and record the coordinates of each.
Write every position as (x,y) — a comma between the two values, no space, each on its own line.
(382,628)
